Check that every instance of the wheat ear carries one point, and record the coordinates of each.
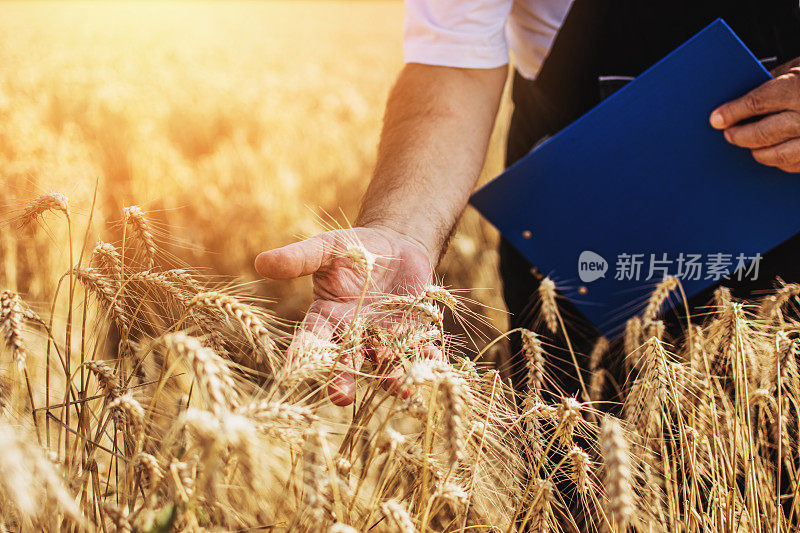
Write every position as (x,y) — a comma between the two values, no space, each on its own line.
(614,448)
(52,201)
(547,295)
(134,217)
(658,297)
(396,513)
(11,318)
(534,359)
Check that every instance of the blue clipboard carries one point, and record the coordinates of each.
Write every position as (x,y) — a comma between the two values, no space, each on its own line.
(642,182)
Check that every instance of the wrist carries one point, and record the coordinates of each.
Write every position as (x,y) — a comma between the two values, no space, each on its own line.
(431,247)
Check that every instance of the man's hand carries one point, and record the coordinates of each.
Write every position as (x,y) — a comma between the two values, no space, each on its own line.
(433,144)
(774,138)
(402,266)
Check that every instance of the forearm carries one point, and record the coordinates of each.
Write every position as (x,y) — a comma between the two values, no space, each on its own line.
(436,132)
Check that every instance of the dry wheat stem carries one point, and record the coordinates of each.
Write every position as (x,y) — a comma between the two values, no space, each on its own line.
(706,439)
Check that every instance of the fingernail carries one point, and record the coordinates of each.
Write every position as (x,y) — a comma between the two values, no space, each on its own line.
(341,394)
(716,120)
(727,136)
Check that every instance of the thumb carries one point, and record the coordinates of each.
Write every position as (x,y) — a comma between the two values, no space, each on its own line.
(299,259)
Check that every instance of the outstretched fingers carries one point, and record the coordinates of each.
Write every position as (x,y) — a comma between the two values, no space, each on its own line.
(319,328)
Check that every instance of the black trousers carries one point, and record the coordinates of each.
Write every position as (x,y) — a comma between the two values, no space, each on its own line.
(532,121)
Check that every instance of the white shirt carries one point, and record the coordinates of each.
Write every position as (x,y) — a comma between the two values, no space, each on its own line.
(482,33)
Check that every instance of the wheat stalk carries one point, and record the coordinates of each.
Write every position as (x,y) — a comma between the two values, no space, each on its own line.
(11,319)
(104,290)
(656,301)
(52,201)
(547,295)
(454,409)
(580,467)
(398,516)
(212,372)
(534,360)
(135,219)
(237,310)
(109,258)
(618,472)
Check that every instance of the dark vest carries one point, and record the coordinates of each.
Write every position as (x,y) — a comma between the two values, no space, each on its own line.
(623,38)
(601,38)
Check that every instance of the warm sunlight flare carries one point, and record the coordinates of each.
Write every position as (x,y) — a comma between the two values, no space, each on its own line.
(239,291)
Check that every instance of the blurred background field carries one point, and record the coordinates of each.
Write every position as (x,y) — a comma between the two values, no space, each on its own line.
(238,126)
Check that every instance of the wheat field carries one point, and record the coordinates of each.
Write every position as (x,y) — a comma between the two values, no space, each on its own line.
(149,384)
(167,400)
(239,126)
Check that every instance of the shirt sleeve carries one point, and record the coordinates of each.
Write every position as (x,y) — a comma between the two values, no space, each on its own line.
(456,33)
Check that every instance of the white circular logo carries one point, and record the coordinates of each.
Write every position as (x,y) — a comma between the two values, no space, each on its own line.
(591,266)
